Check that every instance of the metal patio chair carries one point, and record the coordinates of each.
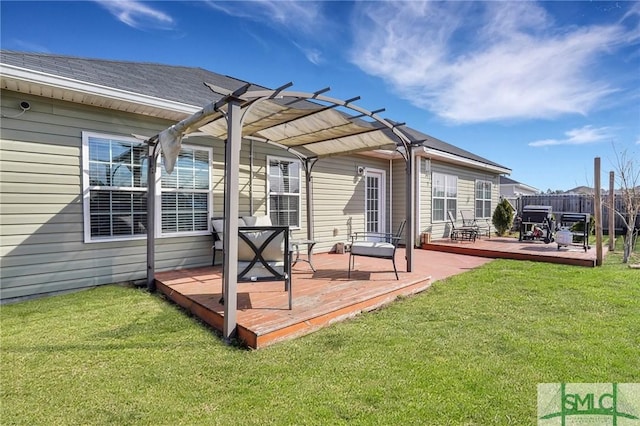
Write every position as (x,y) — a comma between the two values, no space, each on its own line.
(365,244)
(217,228)
(468,233)
(264,254)
(483,225)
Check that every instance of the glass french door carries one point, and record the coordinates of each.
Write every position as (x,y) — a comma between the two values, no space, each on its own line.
(374,201)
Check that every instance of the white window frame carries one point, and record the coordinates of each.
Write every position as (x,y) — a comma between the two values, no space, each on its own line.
(87,188)
(159,191)
(86,192)
(483,182)
(298,194)
(450,181)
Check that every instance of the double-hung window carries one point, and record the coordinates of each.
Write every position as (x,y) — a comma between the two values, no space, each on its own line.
(185,193)
(483,199)
(283,187)
(445,196)
(115,187)
(115,190)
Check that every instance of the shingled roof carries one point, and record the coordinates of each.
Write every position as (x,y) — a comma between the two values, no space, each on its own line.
(175,83)
(170,82)
(438,145)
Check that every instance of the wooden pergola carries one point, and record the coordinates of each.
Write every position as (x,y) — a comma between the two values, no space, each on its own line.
(310,126)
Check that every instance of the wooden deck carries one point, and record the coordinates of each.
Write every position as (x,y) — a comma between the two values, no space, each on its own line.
(511,248)
(319,299)
(326,296)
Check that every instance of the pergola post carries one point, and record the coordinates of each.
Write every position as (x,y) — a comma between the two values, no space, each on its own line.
(151,216)
(410,207)
(231,210)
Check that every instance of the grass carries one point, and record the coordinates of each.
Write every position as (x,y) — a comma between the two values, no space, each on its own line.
(470,350)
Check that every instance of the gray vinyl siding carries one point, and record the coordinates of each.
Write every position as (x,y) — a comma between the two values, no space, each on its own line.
(466,194)
(42,244)
(339,198)
(41,210)
(424,192)
(41,214)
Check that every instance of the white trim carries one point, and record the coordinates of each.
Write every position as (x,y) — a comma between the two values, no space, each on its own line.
(208,191)
(455,159)
(86,192)
(64,83)
(382,197)
(158,200)
(475,198)
(299,194)
(435,154)
(445,198)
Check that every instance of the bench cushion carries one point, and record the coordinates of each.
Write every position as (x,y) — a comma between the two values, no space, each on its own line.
(372,248)
(218,227)
(257,220)
(259,271)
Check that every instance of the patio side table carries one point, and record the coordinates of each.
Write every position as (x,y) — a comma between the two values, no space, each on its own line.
(296,247)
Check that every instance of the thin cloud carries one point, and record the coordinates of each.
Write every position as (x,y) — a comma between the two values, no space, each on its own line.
(313,55)
(581,136)
(481,61)
(303,16)
(300,20)
(137,14)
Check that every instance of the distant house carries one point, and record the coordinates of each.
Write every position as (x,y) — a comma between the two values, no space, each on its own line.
(580,190)
(512,189)
(73,176)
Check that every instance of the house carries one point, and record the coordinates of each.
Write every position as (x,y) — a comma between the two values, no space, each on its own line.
(74,172)
(512,190)
(586,190)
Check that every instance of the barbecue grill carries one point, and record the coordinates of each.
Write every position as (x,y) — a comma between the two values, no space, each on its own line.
(573,229)
(537,224)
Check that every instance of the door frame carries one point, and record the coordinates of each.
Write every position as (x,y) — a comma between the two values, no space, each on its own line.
(382,196)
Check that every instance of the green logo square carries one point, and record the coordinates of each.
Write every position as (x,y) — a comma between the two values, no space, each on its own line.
(568,404)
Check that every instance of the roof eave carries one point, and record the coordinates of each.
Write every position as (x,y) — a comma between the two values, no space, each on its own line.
(455,159)
(527,187)
(63,86)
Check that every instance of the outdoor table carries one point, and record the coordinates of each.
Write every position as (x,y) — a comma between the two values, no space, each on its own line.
(296,246)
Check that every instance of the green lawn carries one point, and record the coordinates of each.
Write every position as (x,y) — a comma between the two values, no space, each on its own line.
(470,350)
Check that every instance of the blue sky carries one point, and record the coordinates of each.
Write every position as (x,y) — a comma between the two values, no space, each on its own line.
(541,88)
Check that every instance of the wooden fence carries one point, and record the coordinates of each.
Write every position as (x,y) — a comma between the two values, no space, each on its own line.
(575,203)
